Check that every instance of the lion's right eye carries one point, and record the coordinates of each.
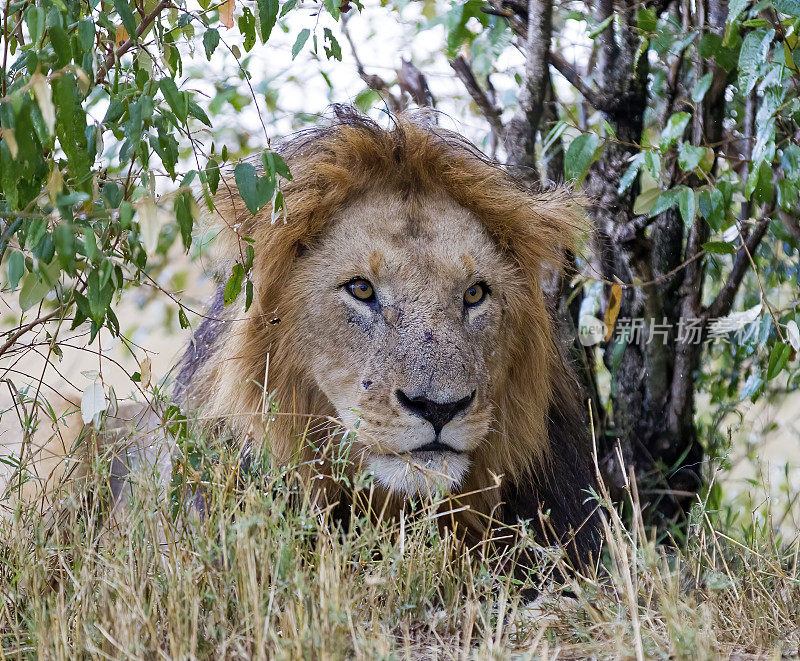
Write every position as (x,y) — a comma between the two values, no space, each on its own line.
(361,289)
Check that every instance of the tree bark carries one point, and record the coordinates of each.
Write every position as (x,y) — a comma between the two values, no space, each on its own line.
(522,130)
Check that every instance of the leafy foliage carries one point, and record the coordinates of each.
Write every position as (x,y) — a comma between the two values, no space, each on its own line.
(97,122)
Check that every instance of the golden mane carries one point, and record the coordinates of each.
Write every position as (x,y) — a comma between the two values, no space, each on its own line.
(331,167)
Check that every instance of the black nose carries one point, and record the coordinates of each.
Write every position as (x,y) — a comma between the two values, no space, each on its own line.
(434,412)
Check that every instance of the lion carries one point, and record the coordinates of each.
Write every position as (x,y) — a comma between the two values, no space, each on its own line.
(401,297)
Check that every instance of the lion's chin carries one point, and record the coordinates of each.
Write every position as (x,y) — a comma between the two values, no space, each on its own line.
(420,474)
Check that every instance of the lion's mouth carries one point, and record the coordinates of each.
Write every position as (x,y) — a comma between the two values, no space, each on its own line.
(434,446)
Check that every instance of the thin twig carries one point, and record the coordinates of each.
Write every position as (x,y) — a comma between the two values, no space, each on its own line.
(573,78)
(374,82)
(114,55)
(721,305)
(24,329)
(489,110)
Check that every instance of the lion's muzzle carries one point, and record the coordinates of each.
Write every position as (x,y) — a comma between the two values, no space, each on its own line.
(437,413)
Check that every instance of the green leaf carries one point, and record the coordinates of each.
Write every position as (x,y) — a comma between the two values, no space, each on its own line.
(16,267)
(65,246)
(71,126)
(183,215)
(210,42)
(647,20)
(248,298)
(255,191)
(247,27)
(581,153)
(331,46)
(125,215)
(790,162)
(719,248)
(34,289)
(645,201)
(61,45)
(197,112)
(250,256)
(712,208)
(752,56)
(778,359)
(630,174)
(674,129)
(266,15)
(34,18)
(178,101)
(234,285)
(182,318)
(702,86)
(302,38)
(275,166)
(126,15)
(86,35)
(333,8)
(113,194)
(752,387)
(759,183)
(652,161)
(667,200)
(367,97)
(735,8)
(788,7)
(686,204)
(689,157)
(212,175)
(602,27)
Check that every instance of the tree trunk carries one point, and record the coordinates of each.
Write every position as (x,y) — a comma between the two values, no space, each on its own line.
(658,263)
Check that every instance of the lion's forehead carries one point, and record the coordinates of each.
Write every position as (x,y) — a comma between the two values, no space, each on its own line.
(425,239)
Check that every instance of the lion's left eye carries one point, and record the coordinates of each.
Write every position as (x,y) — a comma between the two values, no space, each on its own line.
(361,290)
(475,294)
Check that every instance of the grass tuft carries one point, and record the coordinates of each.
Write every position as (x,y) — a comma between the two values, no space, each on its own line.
(267,574)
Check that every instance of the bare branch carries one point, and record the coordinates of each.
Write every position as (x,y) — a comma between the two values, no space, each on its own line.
(412,81)
(144,26)
(19,332)
(372,81)
(723,302)
(518,20)
(573,78)
(489,110)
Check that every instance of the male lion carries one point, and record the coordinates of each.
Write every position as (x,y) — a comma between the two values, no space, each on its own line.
(402,296)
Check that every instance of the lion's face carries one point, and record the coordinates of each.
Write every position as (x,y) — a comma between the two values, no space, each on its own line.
(401,307)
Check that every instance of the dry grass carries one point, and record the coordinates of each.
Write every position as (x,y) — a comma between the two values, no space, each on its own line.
(266,574)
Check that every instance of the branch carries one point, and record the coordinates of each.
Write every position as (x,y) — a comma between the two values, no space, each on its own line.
(518,20)
(573,77)
(489,110)
(412,81)
(723,302)
(524,126)
(144,26)
(24,329)
(372,81)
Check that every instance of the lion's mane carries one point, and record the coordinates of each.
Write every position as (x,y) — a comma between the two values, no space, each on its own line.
(538,443)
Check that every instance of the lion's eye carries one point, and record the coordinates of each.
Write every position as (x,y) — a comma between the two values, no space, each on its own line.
(475,294)
(361,289)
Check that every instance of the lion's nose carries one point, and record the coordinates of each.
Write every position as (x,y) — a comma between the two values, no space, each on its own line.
(438,414)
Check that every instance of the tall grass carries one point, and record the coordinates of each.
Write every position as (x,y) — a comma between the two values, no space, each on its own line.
(265,573)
